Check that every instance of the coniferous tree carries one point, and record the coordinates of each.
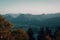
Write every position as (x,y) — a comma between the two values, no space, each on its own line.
(48,34)
(57,34)
(48,31)
(41,34)
(30,34)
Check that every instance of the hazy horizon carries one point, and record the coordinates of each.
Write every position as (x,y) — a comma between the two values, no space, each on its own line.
(29,6)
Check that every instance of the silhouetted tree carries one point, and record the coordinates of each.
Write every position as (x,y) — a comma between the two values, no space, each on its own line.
(30,34)
(57,34)
(48,34)
(41,34)
(48,31)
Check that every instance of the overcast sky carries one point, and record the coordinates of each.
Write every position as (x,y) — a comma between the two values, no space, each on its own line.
(29,6)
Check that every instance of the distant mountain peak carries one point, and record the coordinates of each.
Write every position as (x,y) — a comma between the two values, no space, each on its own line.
(13,15)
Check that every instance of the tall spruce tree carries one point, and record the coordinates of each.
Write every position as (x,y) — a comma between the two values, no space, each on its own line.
(30,34)
(41,34)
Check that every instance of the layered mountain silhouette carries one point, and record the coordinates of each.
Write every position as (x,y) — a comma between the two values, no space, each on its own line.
(35,21)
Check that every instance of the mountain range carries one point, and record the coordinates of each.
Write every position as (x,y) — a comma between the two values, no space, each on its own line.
(35,21)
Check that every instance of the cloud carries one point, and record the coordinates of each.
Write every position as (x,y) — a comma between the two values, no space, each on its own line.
(30,6)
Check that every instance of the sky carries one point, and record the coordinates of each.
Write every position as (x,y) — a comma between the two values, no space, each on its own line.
(29,6)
